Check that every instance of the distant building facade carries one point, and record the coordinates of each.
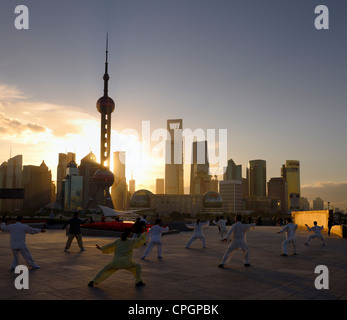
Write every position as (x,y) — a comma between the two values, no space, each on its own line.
(119,187)
(318,204)
(231,193)
(90,197)
(277,191)
(257,178)
(37,183)
(73,186)
(11,177)
(199,171)
(63,160)
(174,180)
(291,174)
(159,186)
(232,171)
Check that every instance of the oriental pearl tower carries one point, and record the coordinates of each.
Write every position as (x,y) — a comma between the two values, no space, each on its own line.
(103,177)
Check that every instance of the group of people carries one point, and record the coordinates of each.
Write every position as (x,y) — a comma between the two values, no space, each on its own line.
(137,236)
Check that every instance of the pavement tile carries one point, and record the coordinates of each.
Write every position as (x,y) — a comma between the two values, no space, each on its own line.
(182,274)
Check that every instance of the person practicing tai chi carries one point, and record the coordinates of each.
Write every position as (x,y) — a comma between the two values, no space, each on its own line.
(222,224)
(75,231)
(198,234)
(154,234)
(18,244)
(122,259)
(238,231)
(290,229)
(317,233)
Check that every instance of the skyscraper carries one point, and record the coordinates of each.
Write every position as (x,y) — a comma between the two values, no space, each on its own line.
(11,178)
(232,171)
(199,172)
(174,158)
(72,186)
(277,190)
(231,193)
(119,187)
(291,174)
(63,160)
(87,169)
(257,178)
(37,183)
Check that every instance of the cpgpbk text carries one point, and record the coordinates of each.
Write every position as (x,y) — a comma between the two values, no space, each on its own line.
(203,309)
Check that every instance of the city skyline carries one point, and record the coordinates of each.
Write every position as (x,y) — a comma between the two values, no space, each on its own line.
(260,70)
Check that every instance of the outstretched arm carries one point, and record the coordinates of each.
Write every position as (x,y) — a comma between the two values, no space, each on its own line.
(108,248)
(3,226)
(283,229)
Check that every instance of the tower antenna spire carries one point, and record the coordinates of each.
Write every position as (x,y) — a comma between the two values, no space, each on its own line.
(106,76)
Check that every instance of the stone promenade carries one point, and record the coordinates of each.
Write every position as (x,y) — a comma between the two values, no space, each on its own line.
(182,274)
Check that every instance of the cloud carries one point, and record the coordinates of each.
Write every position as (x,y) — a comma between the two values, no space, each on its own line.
(14,127)
(10,93)
(334,192)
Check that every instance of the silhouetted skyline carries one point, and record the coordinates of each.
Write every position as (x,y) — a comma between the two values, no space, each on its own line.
(256,68)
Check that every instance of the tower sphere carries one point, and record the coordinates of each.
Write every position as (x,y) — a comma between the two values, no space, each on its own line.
(105,105)
(103,178)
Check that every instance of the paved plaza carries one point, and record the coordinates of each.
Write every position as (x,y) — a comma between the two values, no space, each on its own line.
(182,274)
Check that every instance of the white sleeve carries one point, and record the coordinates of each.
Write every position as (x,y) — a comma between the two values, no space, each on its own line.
(284,229)
(4,226)
(31,230)
(165,229)
(230,231)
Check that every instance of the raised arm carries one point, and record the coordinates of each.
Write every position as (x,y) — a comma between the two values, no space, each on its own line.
(4,227)
(109,248)
(164,229)
(283,229)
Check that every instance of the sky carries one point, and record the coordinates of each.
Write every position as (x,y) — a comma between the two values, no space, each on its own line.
(258,69)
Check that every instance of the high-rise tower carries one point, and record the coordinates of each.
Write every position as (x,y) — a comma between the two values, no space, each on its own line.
(257,178)
(174,158)
(291,174)
(199,171)
(103,177)
(105,105)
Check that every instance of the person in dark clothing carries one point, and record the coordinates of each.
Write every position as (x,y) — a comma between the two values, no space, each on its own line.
(138,228)
(75,231)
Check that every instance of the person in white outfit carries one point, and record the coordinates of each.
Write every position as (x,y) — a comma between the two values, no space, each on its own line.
(198,234)
(222,224)
(317,233)
(290,229)
(18,245)
(154,234)
(238,231)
